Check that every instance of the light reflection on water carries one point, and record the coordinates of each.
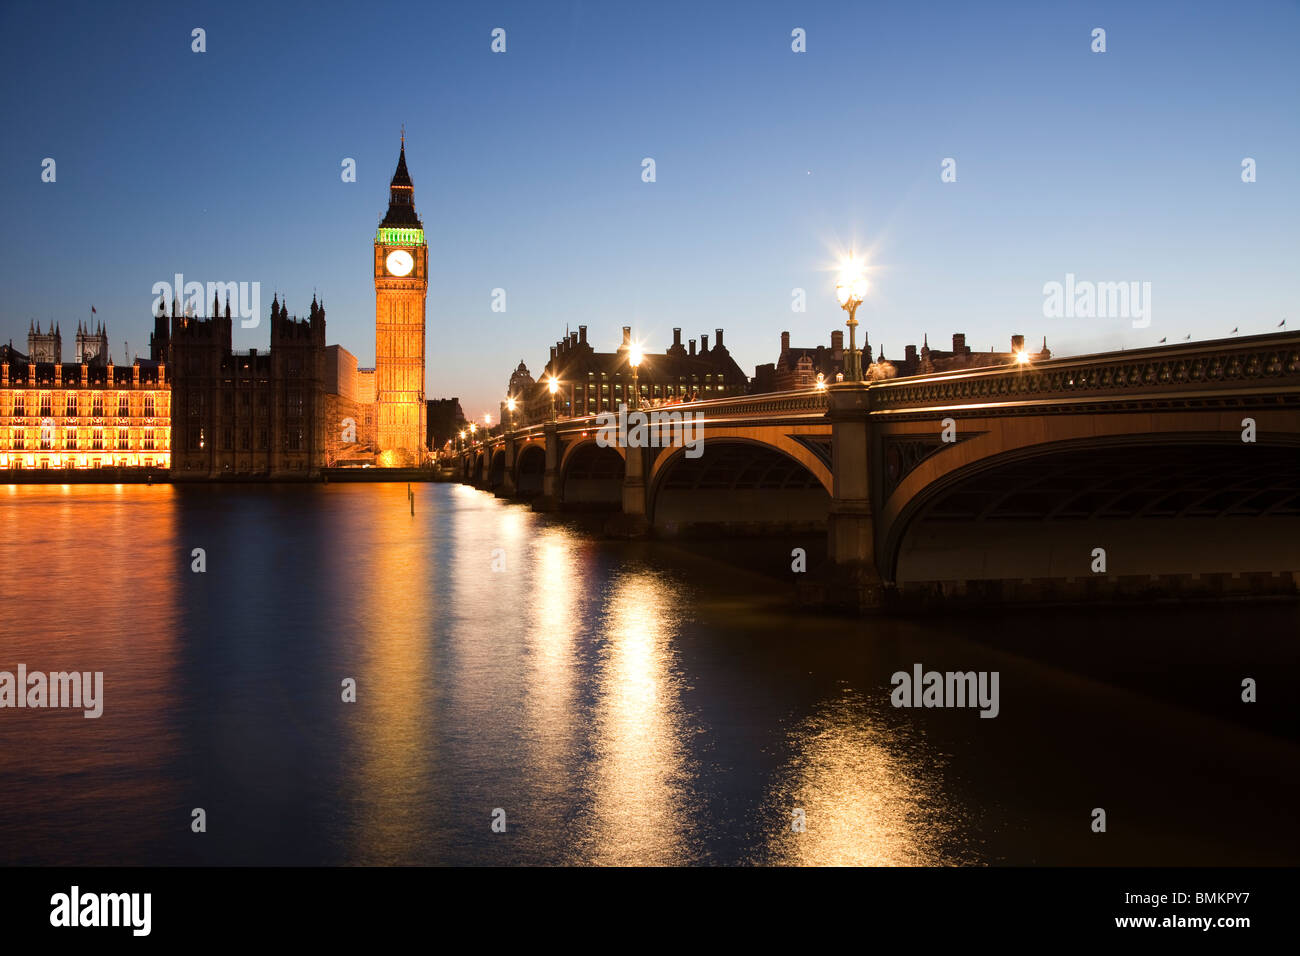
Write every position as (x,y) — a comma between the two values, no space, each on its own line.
(622,703)
(869,799)
(395,674)
(642,775)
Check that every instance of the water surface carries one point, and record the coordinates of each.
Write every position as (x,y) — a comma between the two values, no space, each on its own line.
(622,703)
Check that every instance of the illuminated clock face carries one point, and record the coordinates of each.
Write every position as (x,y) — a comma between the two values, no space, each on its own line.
(400,262)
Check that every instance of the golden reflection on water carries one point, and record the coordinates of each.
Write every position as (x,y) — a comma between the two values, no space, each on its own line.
(640,783)
(394,674)
(867,801)
(94,572)
(550,711)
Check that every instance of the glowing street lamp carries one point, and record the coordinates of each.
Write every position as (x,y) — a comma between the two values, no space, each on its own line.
(554,388)
(634,357)
(472,429)
(510,408)
(851,289)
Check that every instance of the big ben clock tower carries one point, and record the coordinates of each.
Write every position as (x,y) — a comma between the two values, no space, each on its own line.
(401,287)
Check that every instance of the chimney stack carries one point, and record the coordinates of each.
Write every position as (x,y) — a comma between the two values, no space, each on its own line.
(627,336)
(582,334)
(785,342)
(704,344)
(717,339)
(958,343)
(692,346)
(837,340)
(677,338)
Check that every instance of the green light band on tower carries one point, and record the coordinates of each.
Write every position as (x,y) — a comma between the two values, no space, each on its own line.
(388,236)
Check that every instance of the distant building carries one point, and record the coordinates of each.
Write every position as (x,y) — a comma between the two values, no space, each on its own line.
(86,414)
(367,403)
(92,346)
(797,368)
(248,414)
(44,346)
(592,381)
(349,424)
(928,360)
(446,419)
(520,388)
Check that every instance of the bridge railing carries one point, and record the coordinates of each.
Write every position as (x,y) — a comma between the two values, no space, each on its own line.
(810,402)
(1268,360)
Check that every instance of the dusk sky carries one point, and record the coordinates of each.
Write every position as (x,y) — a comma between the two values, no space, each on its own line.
(225,166)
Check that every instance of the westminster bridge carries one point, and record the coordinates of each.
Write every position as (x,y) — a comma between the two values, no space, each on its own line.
(1144,472)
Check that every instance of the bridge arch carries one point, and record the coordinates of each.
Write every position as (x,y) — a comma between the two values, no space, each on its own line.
(737,482)
(784,440)
(496,469)
(1040,509)
(591,475)
(530,468)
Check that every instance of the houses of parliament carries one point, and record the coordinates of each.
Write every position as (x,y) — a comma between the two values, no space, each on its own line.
(199,409)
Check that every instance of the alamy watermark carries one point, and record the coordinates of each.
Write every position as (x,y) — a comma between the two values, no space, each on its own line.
(194,297)
(37,689)
(76,908)
(1098,300)
(658,428)
(946,689)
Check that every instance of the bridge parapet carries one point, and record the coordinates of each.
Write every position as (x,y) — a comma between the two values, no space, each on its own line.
(1156,374)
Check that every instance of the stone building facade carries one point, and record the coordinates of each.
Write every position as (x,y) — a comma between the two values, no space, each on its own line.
(248,414)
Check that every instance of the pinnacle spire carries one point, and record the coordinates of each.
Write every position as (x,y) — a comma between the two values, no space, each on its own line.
(401,195)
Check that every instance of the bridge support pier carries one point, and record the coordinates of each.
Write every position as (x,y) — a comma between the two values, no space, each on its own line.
(632,522)
(507,487)
(854,580)
(549,499)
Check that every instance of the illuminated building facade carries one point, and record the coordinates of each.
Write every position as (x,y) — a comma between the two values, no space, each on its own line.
(82,415)
(592,381)
(401,288)
(349,423)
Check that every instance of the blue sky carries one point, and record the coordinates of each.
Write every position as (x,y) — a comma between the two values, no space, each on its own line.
(225,166)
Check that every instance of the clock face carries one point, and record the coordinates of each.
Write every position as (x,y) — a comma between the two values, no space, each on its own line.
(400,262)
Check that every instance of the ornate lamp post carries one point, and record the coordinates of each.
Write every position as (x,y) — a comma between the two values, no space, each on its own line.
(851,289)
(554,388)
(634,359)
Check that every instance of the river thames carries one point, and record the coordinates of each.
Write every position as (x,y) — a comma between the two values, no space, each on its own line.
(651,702)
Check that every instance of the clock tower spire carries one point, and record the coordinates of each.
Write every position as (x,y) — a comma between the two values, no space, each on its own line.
(401,290)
